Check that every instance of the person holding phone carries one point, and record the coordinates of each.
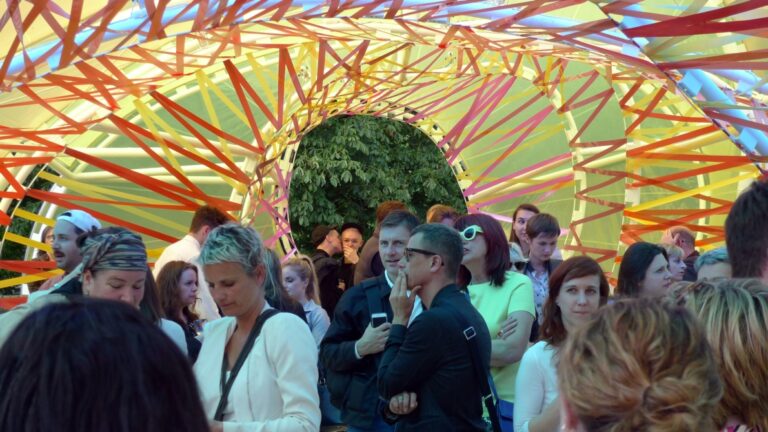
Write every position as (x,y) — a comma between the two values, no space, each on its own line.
(359,329)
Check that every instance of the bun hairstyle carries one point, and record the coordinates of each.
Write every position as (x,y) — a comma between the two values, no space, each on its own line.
(303,266)
(734,314)
(640,365)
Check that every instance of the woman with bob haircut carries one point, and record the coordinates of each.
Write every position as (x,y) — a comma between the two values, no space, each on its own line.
(95,365)
(638,365)
(503,297)
(257,369)
(577,289)
(177,288)
(644,271)
(734,314)
(520,217)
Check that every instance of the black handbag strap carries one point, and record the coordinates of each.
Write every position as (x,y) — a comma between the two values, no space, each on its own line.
(226,383)
(484,377)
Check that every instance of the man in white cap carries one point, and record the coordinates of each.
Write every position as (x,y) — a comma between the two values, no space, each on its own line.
(69,226)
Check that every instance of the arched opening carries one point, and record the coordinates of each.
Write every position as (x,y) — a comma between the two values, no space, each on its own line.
(348,164)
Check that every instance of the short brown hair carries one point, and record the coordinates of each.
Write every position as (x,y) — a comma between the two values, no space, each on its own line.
(438,212)
(745,233)
(386,208)
(542,223)
(208,215)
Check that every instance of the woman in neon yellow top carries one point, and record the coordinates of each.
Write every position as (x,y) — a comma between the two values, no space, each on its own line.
(499,294)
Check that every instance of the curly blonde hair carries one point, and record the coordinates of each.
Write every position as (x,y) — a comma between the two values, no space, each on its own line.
(640,365)
(734,314)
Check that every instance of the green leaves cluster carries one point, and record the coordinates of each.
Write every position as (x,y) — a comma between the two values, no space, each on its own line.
(348,165)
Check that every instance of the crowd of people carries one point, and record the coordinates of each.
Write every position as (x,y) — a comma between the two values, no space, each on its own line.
(447,325)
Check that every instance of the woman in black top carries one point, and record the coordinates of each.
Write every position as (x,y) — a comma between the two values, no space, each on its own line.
(177,287)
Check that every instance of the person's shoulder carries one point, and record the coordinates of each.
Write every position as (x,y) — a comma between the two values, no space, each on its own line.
(218,326)
(171,327)
(538,349)
(284,320)
(361,288)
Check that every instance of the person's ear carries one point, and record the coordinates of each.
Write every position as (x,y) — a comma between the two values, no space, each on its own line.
(260,274)
(436,263)
(87,283)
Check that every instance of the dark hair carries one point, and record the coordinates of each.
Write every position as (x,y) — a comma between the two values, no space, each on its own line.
(150,303)
(400,217)
(542,223)
(524,206)
(444,241)
(497,250)
(746,235)
(552,328)
(169,291)
(388,207)
(210,216)
(438,212)
(95,365)
(634,264)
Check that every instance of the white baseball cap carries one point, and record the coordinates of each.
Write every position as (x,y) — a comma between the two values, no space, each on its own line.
(80,219)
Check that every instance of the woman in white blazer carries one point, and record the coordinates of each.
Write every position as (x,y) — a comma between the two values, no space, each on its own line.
(275,389)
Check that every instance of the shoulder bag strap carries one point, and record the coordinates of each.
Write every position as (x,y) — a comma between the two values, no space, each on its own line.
(487,388)
(226,383)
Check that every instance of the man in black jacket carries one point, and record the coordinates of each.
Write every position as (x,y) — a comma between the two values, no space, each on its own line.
(327,243)
(351,349)
(430,360)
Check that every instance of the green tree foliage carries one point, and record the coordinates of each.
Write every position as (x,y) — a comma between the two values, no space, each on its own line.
(22,227)
(349,164)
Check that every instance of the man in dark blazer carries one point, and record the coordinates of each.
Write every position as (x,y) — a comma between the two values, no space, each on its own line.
(352,347)
(426,373)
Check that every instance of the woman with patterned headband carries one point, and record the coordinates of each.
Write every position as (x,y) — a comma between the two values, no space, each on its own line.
(114,267)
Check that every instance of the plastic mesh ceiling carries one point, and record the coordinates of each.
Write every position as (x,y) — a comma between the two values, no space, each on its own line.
(622,118)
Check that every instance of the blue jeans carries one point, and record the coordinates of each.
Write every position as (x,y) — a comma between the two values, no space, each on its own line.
(379,425)
(330,414)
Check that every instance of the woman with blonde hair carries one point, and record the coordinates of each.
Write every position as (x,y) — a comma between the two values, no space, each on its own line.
(300,282)
(639,365)
(257,368)
(734,314)
(675,261)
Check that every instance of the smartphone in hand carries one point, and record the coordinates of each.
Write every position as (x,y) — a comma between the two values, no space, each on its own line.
(378,319)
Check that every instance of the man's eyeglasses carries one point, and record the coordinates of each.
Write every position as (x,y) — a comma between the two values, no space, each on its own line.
(410,251)
(470,232)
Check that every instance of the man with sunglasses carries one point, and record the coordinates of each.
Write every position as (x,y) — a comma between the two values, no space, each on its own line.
(351,349)
(427,372)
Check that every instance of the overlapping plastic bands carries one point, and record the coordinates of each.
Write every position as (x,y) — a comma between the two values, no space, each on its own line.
(621,118)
